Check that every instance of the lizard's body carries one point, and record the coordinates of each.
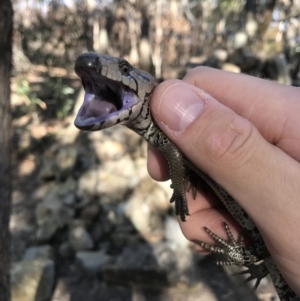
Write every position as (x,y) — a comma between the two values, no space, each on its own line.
(117,93)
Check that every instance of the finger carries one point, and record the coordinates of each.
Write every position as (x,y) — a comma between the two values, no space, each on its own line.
(212,218)
(157,164)
(274,109)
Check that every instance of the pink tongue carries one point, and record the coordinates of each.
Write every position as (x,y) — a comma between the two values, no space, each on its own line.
(98,107)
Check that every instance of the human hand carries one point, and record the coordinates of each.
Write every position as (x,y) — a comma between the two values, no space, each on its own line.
(245,135)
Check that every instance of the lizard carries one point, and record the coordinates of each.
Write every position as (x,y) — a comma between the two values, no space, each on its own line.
(116,93)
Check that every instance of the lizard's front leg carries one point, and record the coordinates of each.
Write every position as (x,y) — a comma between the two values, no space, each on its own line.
(177,174)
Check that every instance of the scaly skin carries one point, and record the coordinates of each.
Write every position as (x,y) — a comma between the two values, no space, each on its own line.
(117,93)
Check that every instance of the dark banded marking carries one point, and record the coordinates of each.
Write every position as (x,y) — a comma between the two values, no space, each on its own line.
(137,85)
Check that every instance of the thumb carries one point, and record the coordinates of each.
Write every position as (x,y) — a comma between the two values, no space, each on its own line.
(222,144)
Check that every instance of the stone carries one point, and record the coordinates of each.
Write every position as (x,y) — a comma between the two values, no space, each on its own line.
(69,199)
(90,212)
(92,262)
(65,250)
(48,169)
(59,162)
(231,68)
(65,160)
(67,187)
(44,190)
(44,251)
(146,207)
(102,226)
(240,40)
(32,280)
(155,264)
(51,215)
(80,239)
(46,230)
(220,54)
(108,150)
(110,181)
(173,233)
(252,26)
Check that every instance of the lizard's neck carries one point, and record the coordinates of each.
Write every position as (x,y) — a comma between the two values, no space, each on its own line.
(144,124)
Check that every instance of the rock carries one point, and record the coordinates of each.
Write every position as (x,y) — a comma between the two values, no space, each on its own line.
(67,192)
(103,225)
(141,168)
(112,180)
(240,40)
(89,212)
(67,187)
(69,199)
(52,215)
(44,251)
(173,233)
(146,207)
(124,234)
(80,239)
(92,262)
(46,230)
(59,162)
(49,169)
(194,62)
(220,54)
(108,150)
(44,190)
(252,26)
(278,69)
(77,222)
(157,264)
(246,61)
(231,68)
(32,280)
(65,250)
(65,160)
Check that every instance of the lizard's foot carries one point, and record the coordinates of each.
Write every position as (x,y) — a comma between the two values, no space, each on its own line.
(235,251)
(179,197)
(237,254)
(256,271)
(181,207)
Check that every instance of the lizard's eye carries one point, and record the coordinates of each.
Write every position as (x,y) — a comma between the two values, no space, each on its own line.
(125,68)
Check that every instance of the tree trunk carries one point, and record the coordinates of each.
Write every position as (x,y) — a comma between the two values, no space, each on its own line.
(6,22)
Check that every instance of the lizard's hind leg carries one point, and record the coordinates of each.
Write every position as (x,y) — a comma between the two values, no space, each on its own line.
(236,253)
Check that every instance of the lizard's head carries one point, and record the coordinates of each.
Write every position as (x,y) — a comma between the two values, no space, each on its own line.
(115,92)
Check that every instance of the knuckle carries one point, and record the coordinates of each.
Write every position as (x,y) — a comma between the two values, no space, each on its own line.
(231,143)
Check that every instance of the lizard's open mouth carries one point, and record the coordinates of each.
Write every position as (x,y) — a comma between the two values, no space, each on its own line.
(104,97)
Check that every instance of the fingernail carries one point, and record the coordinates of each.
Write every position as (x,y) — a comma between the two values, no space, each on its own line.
(179,106)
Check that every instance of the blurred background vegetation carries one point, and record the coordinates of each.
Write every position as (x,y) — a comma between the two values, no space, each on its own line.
(163,37)
(54,163)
